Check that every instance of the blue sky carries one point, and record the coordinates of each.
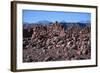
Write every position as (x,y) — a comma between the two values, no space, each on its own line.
(33,16)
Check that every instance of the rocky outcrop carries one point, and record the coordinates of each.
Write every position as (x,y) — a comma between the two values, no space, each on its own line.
(54,43)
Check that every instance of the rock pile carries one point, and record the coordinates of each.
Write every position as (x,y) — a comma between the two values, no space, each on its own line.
(54,43)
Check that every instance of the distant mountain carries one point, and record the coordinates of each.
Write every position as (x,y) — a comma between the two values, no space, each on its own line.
(88,21)
(65,24)
(84,23)
(44,22)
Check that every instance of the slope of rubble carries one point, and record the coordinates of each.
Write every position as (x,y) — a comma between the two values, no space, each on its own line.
(55,43)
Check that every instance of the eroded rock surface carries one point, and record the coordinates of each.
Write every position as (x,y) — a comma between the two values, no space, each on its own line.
(55,43)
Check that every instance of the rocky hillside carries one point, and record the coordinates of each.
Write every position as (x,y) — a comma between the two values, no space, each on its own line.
(55,43)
